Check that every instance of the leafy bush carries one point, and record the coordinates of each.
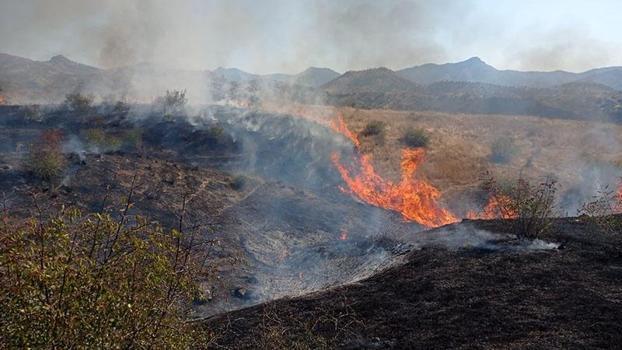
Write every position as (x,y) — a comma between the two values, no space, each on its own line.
(530,206)
(78,103)
(173,102)
(45,159)
(92,281)
(374,127)
(415,138)
(503,150)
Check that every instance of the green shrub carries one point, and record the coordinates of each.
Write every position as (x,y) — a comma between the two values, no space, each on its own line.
(503,150)
(415,138)
(45,159)
(78,103)
(94,282)
(374,127)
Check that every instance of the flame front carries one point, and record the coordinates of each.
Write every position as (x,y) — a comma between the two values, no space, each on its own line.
(498,206)
(415,199)
(339,125)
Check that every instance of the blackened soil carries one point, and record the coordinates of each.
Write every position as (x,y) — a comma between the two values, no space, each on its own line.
(437,299)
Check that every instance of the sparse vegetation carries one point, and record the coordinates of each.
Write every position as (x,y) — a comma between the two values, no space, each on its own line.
(93,281)
(415,137)
(102,141)
(503,149)
(133,139)
(78,102)
(602,210)
(45,159)
(173,102)
(374,127)
(529,206)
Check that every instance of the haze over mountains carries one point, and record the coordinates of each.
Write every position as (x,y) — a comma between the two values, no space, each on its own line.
(470,86)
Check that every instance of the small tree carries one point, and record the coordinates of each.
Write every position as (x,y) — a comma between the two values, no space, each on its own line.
(415,138)
(46,160)
(503,149)
(77,102)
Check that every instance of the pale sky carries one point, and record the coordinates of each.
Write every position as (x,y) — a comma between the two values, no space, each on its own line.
(289,36)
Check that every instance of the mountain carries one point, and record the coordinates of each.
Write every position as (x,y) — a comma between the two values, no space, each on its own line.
(314,77)
(234,74)
(25,80)
(382,88)
(475,70)
(375,80)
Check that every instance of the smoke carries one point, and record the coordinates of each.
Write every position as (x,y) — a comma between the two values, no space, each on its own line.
(287,36)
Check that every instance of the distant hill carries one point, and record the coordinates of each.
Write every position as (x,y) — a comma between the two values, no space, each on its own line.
(376,80)
(314,77)
(471,86)
(383,88)
(43,81)
(475,70)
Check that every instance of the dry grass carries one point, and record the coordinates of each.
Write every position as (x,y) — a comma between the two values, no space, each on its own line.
(460,146)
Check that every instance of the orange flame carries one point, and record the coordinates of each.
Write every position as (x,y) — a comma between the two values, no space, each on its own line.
(339,125)
(497,207)
(415,199)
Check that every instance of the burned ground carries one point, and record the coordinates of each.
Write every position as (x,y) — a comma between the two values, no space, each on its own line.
(262,190)
(465,298)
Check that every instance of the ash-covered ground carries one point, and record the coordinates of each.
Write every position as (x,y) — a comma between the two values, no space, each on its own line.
(496,296)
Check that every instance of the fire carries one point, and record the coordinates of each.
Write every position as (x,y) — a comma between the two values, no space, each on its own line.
(416,199)
(497,207)
(339,125)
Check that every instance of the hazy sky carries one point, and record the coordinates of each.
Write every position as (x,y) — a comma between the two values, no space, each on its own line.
(289,35)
